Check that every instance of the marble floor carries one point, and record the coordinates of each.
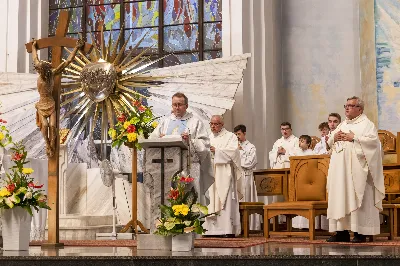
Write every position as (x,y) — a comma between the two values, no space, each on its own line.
(264,250)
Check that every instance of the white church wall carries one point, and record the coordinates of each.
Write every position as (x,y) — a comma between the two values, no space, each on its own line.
(21,20)
(320,58)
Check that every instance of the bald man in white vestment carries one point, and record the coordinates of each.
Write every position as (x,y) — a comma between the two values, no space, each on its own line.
(355,177)
(225,193)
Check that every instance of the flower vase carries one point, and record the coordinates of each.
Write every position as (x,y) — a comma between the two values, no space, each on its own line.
(183,242)
(16,228)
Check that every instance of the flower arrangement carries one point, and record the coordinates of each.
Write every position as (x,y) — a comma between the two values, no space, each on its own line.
(19,189)
(133,124)
(183,215)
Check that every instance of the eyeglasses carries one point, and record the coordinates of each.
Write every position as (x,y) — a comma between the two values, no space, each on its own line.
(350,106)
(177,105)
(286,129)
(215,124)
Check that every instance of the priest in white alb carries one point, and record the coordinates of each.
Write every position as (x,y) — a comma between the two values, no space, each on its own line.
(192,130)
(355,177)
(248,159)
(225,193)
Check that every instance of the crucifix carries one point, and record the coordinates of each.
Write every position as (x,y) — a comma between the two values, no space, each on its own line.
(53,86)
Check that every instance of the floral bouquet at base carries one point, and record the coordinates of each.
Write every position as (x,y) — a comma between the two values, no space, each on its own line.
(183,215)
(133,124)
(19,189)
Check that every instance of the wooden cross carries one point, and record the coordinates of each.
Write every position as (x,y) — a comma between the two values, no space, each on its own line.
(56,43)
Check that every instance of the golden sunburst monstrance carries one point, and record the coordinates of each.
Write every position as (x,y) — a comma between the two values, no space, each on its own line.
(103,83)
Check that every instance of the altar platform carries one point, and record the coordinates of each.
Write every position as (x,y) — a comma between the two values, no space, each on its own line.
(271,253)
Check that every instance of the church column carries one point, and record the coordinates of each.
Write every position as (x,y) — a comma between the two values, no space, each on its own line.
(21,20)
(253,26)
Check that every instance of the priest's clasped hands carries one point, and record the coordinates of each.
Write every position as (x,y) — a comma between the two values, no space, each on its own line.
(341,136)
(281,150)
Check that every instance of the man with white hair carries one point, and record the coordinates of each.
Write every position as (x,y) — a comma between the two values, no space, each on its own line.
(355,177)
(225,193)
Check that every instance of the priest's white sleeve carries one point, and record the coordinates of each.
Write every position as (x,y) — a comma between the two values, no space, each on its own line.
(273,154)
(200,140)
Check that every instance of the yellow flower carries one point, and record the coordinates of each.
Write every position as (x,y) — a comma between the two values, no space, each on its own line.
(4,192)
(154,124)
(127,124)
(180,209)
(112,133)
(27,171)
(1,136)
(132,137)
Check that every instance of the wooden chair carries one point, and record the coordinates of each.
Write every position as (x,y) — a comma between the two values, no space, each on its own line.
(268,183)
(390,146)
(307,194)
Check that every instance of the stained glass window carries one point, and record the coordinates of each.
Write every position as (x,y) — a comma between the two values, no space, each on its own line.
(182,30)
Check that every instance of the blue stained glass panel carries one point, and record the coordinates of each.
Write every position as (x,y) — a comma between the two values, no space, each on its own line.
(141,14)
(180,11)
(75,24)
(109,14)
(212,10)
(65,3)
(177,59)
(181,38)
(97,37)
(212,55)
(150,36)
(213,35)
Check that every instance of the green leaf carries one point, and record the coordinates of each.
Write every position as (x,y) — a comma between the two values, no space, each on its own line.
(14,198)
(28,209)
(9,203)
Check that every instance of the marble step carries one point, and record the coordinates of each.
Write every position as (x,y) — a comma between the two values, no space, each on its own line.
(84,232)
(78,220)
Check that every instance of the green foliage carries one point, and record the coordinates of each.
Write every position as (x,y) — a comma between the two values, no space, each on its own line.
(19,189)
(183,215)
(133,124)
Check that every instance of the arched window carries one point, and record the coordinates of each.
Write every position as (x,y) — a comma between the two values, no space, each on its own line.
(186,30)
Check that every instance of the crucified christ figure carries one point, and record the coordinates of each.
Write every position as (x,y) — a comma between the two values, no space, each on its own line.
(45,109)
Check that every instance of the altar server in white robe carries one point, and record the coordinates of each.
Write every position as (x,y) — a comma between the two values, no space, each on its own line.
(304,150)
(248,159)
(193,130)
(225,193)
(279,156)
(355,176)
(321,147)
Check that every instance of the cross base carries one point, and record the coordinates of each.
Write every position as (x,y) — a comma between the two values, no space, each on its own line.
(134,225)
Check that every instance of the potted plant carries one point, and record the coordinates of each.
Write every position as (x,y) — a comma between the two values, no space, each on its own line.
(183,216)
(19,194)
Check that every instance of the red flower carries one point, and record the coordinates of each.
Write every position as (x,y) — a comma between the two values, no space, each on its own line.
(131,129)
(186,179)
(173,194)
(121,118)
(31,184)
(137,103)
(3,121)
(17,156)
(11,188)
(142,108)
